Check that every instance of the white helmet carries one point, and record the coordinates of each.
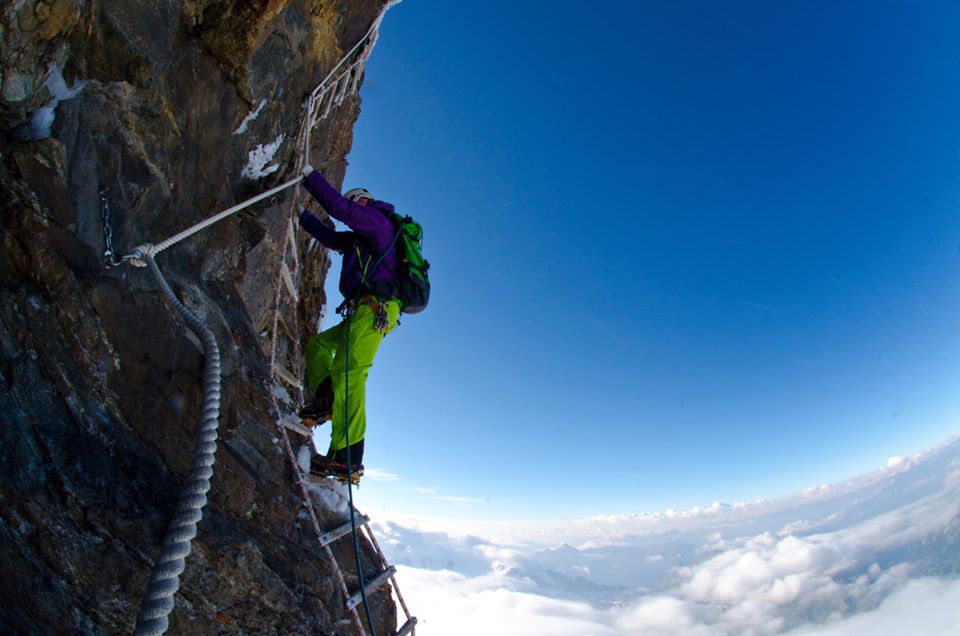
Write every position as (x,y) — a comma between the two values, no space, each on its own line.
(358,193)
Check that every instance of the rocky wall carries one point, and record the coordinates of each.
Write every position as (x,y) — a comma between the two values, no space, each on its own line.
(136,110)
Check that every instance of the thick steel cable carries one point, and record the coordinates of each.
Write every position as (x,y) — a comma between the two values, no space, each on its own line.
(165,578)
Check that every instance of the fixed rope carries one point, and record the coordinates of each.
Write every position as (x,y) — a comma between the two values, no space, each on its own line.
(152,250)
(176,546)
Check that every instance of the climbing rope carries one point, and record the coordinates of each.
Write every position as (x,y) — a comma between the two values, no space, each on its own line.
(353,515)
(176,546)
(349,308)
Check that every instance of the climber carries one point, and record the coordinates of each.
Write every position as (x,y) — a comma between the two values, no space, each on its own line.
(369,258)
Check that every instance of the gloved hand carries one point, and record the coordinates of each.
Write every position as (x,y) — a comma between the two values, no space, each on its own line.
(307,170)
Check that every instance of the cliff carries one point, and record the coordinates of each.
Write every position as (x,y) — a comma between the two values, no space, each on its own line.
(123,123)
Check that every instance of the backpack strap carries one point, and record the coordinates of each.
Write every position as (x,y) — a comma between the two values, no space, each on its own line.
(363,280)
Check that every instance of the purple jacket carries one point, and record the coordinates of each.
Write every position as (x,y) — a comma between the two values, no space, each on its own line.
(372,234)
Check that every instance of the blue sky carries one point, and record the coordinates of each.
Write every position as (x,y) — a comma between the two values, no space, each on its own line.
(681,252)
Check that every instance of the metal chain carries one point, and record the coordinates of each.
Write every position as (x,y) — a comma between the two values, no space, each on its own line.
(109,256)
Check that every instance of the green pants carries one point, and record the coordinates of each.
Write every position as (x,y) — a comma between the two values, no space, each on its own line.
(327,357)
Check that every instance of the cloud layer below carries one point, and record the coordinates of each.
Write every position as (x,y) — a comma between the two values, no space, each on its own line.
(875,555)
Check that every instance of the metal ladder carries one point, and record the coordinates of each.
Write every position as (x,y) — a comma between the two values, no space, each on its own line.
(284,331)
(286,363)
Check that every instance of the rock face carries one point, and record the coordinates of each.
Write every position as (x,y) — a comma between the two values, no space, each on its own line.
(145,105)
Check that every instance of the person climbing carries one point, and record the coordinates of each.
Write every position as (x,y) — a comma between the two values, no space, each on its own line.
(338,360)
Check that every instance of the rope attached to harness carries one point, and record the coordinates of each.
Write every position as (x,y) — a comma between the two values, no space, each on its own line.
(353,516)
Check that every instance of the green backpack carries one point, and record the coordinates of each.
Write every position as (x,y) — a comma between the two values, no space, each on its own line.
(410,282)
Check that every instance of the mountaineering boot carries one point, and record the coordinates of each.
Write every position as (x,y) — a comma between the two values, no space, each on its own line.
(321,408)
(334,464)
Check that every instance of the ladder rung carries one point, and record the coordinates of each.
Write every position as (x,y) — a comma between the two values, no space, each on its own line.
(287,377)
(291,237)
(347,83)
(329,104)
(407,627)
(357,72)
(294,425)
(283,325)
(371,587)
(345,529)
(339,93)
(289,282)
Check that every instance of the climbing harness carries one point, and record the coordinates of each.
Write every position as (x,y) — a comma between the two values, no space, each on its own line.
(153,619)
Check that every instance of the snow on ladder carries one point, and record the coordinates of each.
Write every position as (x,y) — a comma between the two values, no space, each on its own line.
(297,427)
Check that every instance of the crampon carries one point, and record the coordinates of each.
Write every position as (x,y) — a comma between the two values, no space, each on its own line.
(332,470)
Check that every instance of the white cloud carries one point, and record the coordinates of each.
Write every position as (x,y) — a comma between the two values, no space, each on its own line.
(495,603)
(458,500)
(658,615)
(923,606)
(377,474)
(843,561)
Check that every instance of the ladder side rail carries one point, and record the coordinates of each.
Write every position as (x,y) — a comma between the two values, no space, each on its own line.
(312,515)
(396,588)
(291,457)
